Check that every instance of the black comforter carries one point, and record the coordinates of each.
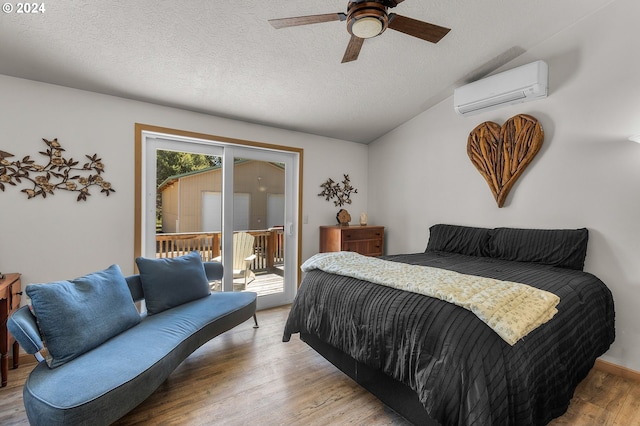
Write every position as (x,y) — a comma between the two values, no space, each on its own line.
(462,371)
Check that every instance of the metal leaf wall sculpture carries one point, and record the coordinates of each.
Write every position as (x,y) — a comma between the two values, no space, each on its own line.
(342,191)
(57,173)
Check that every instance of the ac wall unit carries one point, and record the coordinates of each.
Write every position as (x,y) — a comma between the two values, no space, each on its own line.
(521,84)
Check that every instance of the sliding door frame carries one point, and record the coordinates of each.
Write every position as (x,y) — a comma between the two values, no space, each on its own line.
(140,198)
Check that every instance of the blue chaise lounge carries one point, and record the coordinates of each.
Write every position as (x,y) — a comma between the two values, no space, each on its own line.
(104,358)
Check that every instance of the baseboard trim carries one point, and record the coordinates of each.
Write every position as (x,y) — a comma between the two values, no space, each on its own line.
(617,370)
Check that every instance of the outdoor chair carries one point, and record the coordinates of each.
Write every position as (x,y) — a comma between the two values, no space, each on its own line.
(243,255)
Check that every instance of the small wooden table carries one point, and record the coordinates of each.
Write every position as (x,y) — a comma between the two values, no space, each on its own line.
(10,292)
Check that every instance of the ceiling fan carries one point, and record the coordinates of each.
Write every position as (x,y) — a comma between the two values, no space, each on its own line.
(367,19)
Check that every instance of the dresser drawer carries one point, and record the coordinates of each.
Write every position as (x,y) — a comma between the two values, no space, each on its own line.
(362,234)
(366,247)
(15,296)
(366,240)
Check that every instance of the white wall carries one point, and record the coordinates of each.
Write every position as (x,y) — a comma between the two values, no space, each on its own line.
(58,238)
(586,175)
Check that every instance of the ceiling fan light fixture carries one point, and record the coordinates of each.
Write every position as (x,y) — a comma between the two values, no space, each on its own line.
(367,19)
(367,27)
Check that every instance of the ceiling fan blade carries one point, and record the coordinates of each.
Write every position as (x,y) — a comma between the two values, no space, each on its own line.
(415,28)
(306,20)
(353,49)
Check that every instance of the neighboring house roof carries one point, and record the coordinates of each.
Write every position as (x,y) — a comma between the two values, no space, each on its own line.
(172,179)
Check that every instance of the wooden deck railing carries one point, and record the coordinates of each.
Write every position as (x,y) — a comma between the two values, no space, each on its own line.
(268,246)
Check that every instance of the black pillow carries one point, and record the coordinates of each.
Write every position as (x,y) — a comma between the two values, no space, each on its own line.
(459,239)
(565,248)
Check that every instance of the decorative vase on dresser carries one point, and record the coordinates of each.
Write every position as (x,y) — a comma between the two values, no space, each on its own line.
(366,240)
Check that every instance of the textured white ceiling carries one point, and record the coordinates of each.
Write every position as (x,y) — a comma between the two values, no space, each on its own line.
(223,57)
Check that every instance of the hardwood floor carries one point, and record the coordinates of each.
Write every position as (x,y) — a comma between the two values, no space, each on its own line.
(248,376)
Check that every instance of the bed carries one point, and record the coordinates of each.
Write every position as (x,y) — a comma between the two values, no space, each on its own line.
(435,362)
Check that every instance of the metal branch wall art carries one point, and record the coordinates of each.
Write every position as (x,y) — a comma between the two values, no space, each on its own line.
(340,190)
(56,172)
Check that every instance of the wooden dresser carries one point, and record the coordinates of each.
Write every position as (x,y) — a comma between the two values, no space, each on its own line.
(366,240)
(10,292)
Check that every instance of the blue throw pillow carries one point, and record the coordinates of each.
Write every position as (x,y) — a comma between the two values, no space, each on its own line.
(76,316)
(170,282)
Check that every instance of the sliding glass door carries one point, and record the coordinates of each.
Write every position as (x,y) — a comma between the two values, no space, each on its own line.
(232,203)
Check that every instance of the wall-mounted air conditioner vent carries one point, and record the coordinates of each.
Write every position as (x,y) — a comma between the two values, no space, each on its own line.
(522,84)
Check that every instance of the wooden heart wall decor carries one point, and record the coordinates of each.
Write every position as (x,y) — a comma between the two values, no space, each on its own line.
(501,153)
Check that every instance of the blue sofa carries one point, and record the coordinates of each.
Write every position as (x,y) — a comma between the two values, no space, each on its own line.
(105,382)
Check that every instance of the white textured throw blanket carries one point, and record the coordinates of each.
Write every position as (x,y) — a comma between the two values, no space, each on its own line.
(511,309)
